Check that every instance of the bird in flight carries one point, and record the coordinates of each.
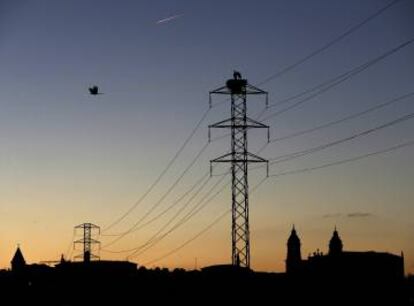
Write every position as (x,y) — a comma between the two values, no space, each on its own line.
(94,90)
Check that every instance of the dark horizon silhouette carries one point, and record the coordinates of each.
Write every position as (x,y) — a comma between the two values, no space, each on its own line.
(338,277)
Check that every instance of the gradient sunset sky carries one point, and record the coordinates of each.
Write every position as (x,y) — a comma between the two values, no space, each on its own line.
(68,157)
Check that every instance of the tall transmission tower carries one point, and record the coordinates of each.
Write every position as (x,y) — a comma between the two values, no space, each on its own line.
(87,241)
(239,158)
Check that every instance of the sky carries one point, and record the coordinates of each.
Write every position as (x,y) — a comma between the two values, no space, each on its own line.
(68,157)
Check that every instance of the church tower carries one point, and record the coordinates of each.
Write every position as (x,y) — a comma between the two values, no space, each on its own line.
(18,263)
(335,244)
(294,258)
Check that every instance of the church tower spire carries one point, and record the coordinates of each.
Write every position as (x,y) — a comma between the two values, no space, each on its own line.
(335,244)
(293,258)
(18,263)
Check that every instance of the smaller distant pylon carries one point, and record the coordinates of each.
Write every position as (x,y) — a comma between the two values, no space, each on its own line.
(88,242)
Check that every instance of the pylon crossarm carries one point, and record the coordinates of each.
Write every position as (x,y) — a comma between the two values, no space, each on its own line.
(240,126)
(221,158)
(90,225)
(221,91)
(257,158)
(253,90)
(86,240)
(256,124)
(221,124)
(250,90)
(241,160)
(252,124)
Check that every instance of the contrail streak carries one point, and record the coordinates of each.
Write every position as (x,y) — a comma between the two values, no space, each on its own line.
(168,19)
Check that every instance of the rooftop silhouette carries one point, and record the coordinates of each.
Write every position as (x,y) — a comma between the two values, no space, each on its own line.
(339,277)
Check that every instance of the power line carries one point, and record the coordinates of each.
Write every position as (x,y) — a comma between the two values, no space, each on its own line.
(150,244)
(206,175)
(294,155)
(203,179)
(158,179)
(217,220)
(209,226)
(346,76)
(197,126)
(406,144)
(363,133)
(314,53)
(356,158)
(175,216)
(323,87)
(153,185)
(330,43)
(69,249)
(343,119)
(135,225)
(145,243)
(351,30)
(301,153)
(344,161)
(193,196)
(195,209)
(323,84)
(276,75)
(312,89)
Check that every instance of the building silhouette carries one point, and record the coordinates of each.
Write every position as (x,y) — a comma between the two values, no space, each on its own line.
(335,244)
(18,263)
(294,257)
(343,264)
(338,277)
(342,277)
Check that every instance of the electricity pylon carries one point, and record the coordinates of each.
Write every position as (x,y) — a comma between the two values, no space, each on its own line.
(239,158)
(87,241)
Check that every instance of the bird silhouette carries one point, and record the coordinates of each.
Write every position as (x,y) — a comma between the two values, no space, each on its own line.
(237,75)
(94,90)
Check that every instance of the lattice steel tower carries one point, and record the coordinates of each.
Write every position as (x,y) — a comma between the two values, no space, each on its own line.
(87,241)
(239,157)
